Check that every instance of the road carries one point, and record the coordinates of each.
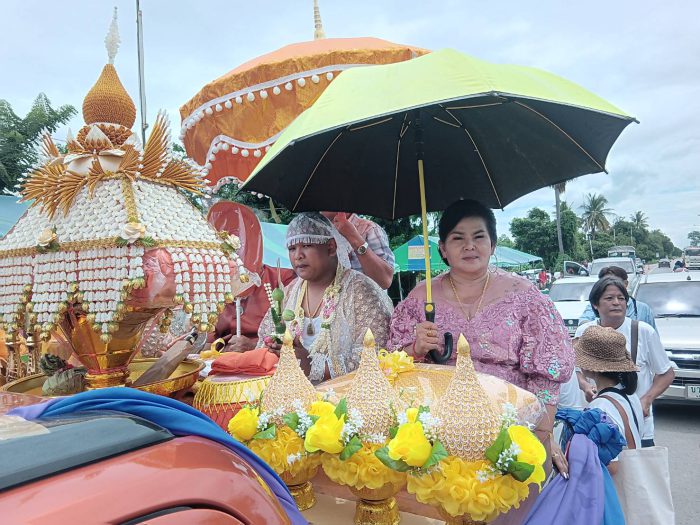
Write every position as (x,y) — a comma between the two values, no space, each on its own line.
(678,428)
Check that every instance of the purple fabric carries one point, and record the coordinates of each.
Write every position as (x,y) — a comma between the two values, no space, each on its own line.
(580,499)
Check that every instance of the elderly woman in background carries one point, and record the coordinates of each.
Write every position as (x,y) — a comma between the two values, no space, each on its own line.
(333,305)
(514,331)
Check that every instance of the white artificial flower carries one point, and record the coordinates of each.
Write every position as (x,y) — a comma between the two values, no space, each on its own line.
(133,231)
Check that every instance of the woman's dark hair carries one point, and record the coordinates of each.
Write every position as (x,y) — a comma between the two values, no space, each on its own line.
(599,289)
(628,380)
(464,209)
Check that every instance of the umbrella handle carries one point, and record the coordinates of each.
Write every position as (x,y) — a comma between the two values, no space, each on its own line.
(436,356)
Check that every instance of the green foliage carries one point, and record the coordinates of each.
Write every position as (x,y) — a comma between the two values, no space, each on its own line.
(353,446)
(595,212)
(694,238)
(504,240)
(589,236)
(19,137)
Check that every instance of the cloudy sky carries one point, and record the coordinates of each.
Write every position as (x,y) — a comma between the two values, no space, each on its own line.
(642,56)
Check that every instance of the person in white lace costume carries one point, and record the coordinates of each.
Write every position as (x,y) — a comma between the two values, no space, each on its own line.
(333,305)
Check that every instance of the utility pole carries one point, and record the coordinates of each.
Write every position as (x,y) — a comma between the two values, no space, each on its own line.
(142,84)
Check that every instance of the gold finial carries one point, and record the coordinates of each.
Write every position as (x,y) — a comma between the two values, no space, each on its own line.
(318,25)
(112,39)
(287,339)
(463,347)
(369,339)
(108,101)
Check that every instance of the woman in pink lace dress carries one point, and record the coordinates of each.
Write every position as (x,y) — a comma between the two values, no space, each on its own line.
(514,331)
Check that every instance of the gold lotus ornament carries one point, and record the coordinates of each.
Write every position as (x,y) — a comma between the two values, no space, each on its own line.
(371,403)
(288,385)
(290,392)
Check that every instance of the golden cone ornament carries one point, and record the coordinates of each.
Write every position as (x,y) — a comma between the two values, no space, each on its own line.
(288,384)
(371,393)
(469,424)
(108,101)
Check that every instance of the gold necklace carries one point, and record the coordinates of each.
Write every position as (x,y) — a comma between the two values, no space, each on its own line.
(481,298)
(310,327)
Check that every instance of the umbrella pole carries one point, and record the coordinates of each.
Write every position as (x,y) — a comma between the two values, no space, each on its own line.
(435,355)
(426,244)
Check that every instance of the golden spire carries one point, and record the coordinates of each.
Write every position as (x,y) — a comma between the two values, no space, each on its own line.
(370,392)
(107,100)
(468,420)
(318,25)
(288,384)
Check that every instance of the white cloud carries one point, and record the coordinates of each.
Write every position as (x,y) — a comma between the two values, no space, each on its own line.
(640,55)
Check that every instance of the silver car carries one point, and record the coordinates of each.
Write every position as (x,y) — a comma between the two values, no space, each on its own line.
(675,301)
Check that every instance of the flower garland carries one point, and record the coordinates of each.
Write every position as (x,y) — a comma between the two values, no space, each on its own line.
(320,348)
(349,456)
(480,489)
(280,446)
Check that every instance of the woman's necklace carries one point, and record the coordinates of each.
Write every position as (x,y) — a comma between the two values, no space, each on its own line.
(459,301)
(310,326)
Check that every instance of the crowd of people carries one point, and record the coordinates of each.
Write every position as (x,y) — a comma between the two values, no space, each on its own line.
(342,265)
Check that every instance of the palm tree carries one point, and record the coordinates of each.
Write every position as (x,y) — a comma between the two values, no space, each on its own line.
(595,213)
(558,190)
(639,220)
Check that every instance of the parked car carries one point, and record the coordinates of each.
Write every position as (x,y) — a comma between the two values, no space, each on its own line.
(570,297)
(625,263)
(573,269)
(110,467)
(675,301)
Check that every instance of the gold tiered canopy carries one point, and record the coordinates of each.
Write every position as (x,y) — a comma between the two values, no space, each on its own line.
(110,232)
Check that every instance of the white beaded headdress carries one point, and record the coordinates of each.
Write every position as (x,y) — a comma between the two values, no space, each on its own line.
(314,228)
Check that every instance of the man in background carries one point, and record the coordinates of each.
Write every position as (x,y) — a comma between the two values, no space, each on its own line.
(371,253)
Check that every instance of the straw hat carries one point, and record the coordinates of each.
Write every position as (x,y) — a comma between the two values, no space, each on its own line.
(602,349)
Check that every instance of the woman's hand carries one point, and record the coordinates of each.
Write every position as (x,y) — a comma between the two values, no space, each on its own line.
(558,458)
(426,338)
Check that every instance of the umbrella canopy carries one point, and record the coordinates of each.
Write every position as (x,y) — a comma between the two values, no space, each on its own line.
(410,256)
(231,121)
(485,131)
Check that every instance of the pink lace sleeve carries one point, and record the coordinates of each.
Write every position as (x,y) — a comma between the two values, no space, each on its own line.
(546,356)
(407,314)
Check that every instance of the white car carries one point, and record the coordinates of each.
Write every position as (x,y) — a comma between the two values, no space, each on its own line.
(625,263)
(675,300)
(570,298)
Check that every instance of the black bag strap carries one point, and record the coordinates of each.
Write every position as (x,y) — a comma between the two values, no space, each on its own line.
(635,340)
(622,394)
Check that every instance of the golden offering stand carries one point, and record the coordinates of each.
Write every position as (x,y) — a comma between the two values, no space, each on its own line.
(181,380)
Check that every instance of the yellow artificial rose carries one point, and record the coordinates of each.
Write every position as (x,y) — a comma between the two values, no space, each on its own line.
(321,408)
(412,415)
(325,434)
(244,425)
(410,445)
(532,451)
(46,238)
(394,363)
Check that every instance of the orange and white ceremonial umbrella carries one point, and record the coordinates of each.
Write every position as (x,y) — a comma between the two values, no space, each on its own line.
(230,123)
